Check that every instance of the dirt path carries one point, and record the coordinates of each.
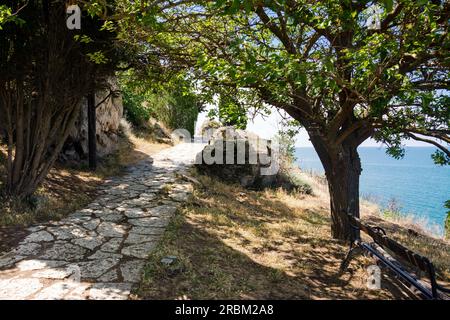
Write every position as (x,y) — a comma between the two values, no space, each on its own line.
(100,252)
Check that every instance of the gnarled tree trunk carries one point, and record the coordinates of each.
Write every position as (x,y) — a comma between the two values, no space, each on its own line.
(343,169)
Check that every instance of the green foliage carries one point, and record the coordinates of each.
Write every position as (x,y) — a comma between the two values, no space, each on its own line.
(323,61)
(134,96)
(298,184)
(7,15)
(136,110)
(46,70)
(441,158)
(176,109)
(173,103)
(231,112)
(97,57)
(286,140)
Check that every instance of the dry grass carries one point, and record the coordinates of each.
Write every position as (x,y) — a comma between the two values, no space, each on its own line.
(68,188)
(233,243)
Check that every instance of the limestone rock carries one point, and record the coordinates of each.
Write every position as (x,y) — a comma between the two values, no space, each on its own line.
(64,251)
(239,156)
(19,288)
(132,270)
(108,116)
(40,236)
(111,229)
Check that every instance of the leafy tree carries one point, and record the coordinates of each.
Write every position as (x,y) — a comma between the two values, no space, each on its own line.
(177,108)
(135,93)
(345,70)
(173,102)
(231,112)
(286,140)
(46,71)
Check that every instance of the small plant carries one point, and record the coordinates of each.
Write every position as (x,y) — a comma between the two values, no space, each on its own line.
(393,210)
(447,221)
(297,183)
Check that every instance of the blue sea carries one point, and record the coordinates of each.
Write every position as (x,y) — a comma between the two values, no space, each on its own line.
(418,185)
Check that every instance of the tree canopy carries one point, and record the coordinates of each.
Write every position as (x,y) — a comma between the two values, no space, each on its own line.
(346,70)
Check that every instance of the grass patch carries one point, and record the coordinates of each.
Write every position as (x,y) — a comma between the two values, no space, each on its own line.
(232,243)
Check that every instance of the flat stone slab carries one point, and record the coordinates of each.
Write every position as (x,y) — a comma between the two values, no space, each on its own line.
(132,270)
(147,231)
(96,268)
(111,230)
(28,249)
(40,236)
(100,252)
(56,291)
(17,289)
(67,232)
(30,265)
(89,242)
(157,222)
(140,250)
(64,251)
(110,291)
(134,238)
(113,245)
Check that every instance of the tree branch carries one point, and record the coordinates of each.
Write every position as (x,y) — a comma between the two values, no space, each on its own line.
(436,144)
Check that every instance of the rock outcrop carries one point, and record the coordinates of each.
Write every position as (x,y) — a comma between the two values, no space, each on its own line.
(239,156)
(208,128)
(109,114)
(158,132)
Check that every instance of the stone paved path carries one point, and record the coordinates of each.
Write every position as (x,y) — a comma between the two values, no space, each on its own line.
(100,252)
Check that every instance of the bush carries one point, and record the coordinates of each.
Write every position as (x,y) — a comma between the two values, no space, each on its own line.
(393,210)
(291,180)
(174,103)
(176,110)
(137,111)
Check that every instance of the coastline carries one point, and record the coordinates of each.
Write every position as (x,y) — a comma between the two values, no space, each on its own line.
(415,186)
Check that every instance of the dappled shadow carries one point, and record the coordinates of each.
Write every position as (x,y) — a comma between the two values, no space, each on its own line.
(220,260)
(106,242)
(66,189)
(219,271)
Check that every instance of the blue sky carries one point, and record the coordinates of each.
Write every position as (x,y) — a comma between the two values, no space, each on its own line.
(267,127)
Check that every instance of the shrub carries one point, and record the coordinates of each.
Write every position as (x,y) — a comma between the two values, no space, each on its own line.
(176,109)
(137,111)
(291,179)
(393,210)
(174,103)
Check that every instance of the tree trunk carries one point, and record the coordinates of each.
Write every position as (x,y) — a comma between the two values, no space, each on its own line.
(343,168)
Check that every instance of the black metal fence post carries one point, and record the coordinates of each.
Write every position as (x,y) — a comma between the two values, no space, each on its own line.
(92,132)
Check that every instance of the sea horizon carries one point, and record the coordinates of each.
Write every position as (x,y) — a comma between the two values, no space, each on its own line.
(417,185)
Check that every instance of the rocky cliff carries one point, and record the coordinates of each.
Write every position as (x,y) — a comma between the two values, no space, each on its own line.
(109,114)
